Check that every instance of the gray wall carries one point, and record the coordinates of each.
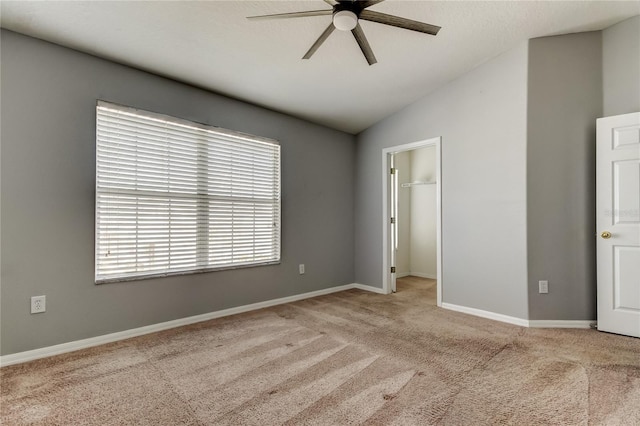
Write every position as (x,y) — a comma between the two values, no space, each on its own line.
(481,118)
(621,67)
(48,172)
(565,98)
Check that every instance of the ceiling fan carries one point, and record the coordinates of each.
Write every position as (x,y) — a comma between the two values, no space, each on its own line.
(345,17)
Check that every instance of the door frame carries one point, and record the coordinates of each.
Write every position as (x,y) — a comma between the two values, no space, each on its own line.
(386,222)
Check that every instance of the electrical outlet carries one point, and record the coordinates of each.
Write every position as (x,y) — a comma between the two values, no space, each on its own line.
(38,304)
(301,268)
(543,287)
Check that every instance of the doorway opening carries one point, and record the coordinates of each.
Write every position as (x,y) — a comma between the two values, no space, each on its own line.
(419,181)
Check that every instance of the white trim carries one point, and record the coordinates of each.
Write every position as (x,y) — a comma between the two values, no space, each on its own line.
(386,275)
(62,348)
(402,274)
(486,314)
(369,288)
(561,324)
(439,283)
(421,275)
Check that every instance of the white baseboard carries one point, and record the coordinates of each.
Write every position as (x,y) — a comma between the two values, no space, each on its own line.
(560,324)
(62,348)
(402,274)
(423,275)
(486,314)
(520,321)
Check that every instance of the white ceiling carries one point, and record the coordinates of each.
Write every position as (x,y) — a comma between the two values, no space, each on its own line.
(212,45)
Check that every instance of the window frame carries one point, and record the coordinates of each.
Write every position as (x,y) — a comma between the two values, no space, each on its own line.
(201,126)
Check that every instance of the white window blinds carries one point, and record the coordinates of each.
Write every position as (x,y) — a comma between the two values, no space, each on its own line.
(175,197)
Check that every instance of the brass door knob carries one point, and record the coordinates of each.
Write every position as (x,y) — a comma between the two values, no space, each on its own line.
(606,235)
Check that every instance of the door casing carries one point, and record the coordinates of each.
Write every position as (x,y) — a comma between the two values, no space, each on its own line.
(387,245)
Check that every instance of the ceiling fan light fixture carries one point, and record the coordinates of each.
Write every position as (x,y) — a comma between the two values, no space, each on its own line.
(345,20)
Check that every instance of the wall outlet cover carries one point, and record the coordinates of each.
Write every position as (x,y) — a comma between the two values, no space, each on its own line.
(543,287)
(38,304)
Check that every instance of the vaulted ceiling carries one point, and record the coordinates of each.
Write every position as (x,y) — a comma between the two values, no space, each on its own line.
(212,45)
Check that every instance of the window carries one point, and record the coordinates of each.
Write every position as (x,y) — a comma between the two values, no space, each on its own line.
(175,197)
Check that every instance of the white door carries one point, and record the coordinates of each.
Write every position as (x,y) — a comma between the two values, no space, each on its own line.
(618,223)
(393,215)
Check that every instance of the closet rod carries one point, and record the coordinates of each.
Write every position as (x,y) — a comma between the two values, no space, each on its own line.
(410,184)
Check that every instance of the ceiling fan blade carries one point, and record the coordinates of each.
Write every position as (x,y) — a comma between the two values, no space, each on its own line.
(364,44)
(319,41)
(293,14)
(331,2)
(396,21)
(368,3)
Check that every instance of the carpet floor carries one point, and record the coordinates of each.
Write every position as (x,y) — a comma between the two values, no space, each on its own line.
(347,358)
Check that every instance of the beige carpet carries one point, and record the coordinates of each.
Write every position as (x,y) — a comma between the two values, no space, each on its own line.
(347,358)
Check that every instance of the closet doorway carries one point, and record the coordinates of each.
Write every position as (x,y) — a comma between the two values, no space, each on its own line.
(412,237)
